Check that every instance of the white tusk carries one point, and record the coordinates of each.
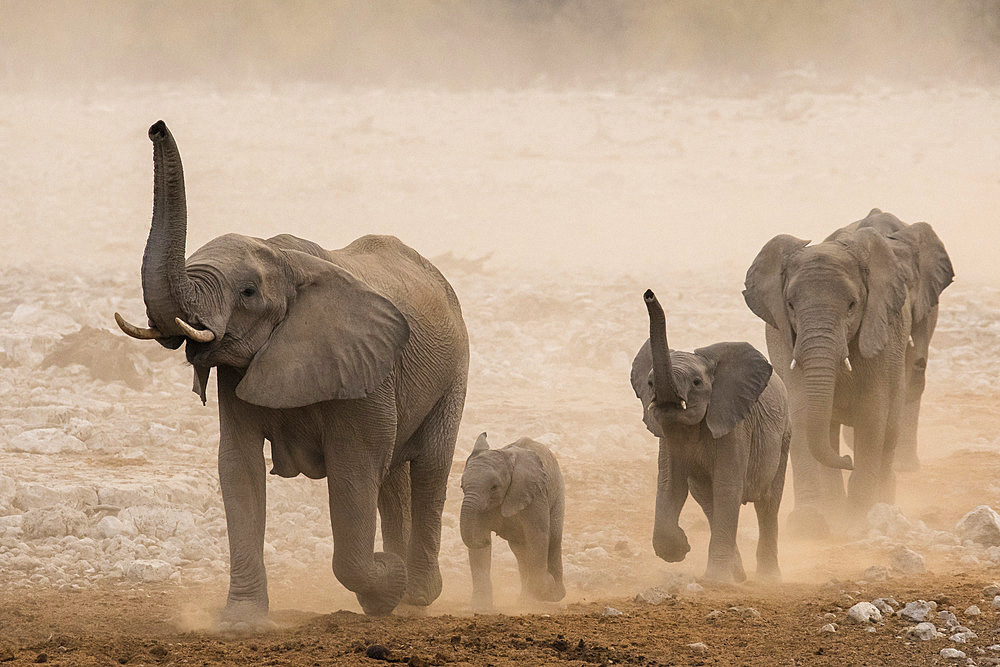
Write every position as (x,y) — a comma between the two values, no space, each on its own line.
(197,335)
(911,342)
(847,362)
(684,405)
(136,332)
(791,366)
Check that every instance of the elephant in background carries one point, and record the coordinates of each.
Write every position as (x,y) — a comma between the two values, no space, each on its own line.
(839,316)
(928,272)
(516,492)
(722,420)
(352,363)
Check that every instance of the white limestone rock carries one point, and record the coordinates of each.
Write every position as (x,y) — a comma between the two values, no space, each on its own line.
(952,654)
(864,613)
(918,611)
(906,561)
(46,441)
(981,525)
(922,632)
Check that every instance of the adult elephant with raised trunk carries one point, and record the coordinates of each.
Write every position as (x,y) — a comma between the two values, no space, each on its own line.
(351,362)
(838,323)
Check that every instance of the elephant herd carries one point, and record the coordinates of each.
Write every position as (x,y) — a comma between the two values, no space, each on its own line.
(353,364)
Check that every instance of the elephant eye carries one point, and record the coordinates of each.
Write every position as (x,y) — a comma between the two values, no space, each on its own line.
(697,382)
(851,305)
(790,306)
(248,291)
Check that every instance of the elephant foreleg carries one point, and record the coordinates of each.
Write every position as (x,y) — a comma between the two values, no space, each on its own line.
(727,496)
(394,509)
(701,491)
(555,548)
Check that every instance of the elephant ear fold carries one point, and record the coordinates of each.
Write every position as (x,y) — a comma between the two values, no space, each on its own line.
(886,282)
(741,374)
(765,282)
(527,480)
(339,340)
(932,265)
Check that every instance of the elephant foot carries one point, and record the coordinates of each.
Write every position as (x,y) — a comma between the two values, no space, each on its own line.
(482,604)
(421,591)
(720,574)
(768,574)
(553,592)
(671,547)
(807,523)
(739,574)
(392,576)
(906,463)
(244,617)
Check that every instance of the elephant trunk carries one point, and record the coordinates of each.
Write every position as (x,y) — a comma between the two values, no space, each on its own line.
(820,355)
(663,376)
(166,288)
(473,525)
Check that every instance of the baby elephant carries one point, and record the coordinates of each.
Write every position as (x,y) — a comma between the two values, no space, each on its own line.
(517,493)
(722,419)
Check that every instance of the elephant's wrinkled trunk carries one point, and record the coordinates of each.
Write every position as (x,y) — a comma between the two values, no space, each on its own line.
(663,377)
(166,288)
(820,356)
(475,531)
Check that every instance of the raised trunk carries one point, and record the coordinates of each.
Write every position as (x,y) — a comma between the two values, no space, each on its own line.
(819,381)
(166,289)
(475,531)
(663,377)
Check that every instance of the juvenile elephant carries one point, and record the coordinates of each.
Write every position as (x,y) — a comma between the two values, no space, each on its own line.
(839,318)
(517,493)
(351,362)
(722,420)
(928,272)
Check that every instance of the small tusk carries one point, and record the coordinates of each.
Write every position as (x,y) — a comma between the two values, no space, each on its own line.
(911,342)
(684,405)
(141,333)
(791,366)
(847,363)
(197,335)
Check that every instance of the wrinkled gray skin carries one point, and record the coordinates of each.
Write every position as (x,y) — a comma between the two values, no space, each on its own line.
(517,493)
(722,420)
(351,362)
(851,298)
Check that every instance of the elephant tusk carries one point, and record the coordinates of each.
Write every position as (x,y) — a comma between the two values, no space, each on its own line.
(684,405)
(137,332)
(791,366)
(197,335)
(847,363)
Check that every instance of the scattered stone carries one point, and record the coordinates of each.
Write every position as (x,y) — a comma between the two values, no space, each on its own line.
(994,647)
(922,632)
(948,619)
(378,652)
(973,611)
(996,602)
(907,561)
(698,648)
(654,595)
(713,615)
(55,521)
(952,654)
(610,611)
(829,616)
(694,588)
(884,606)
(981,525)
(829,627)
(746,612)
(864,612)
(991,591)
(963,637)
(46,441)
(109,526)
(917,611)
(876,573)
(870,628)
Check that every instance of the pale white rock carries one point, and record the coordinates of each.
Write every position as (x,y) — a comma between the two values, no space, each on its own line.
(54,522)
(694,587)
(654,595)
(922,632)
(963,637)
(109,526)
(973,611)
(46,441)
(993,554)
(870,628)
(610,611)
(996,602)
(970,561)
(157,522)
(952,654)
(947,618)
(876,573)
(698,648)
(883,606)
(991,591)
(918,611)
(981,525)
(8,487)
(864,612)
(907,561)
(829,627)
(151,570)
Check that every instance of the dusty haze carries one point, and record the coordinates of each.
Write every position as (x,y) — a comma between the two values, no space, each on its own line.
(554,158)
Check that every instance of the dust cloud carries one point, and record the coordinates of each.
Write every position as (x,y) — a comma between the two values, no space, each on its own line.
(555,159)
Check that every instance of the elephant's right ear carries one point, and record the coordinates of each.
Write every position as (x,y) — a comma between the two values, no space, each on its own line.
(339,340)
(527,480)
(765,281)
(933,266)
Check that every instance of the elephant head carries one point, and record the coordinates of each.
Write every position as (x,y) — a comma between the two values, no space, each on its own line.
(497,482)
(828,301)
(304,329)
(716,385)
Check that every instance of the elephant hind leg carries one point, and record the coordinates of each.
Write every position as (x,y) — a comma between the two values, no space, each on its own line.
(394,510)
(555,551)
(701,491)
(432,448)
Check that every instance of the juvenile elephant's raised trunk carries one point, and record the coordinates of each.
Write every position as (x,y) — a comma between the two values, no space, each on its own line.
(166,288)
(663,377)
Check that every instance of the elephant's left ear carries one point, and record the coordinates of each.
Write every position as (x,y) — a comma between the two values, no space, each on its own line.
(886,281)
(741,374)
(933,266)
(527,480)
(339,340)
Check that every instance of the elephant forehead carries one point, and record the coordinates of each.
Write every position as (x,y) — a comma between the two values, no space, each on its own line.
(233,249)
(687,364)
(485,465)
(829,263)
